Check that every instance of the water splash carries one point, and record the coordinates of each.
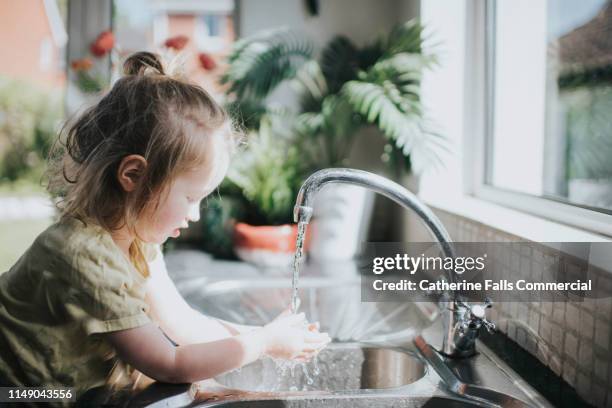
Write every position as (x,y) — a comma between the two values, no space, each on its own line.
(316,370)
(292,375)
(309,379)
(297,259)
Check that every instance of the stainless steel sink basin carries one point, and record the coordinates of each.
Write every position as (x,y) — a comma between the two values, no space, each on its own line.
(345,375)
(335,303)
(337,368)
(370,363)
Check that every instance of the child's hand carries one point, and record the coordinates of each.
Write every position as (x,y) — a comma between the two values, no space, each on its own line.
(287,312)
(289,336)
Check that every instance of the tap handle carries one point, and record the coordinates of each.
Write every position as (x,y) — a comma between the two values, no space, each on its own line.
(478,315)
(490,326)
(475,316)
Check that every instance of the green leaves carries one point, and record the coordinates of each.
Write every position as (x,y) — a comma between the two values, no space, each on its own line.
(29,118)
(347,87)
(332,128)
(404,38)
(388,96)
(259,63)
(339,63)
(267,173)
(311,86)
(588,130)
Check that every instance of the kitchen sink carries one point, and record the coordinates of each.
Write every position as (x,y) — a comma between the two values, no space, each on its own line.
(339,367)
(372,362)
(344,375)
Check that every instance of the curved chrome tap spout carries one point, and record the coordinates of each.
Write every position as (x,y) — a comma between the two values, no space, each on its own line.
(390,189)
(454,312)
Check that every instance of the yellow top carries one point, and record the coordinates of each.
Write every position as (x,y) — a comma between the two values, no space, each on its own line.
(72,283)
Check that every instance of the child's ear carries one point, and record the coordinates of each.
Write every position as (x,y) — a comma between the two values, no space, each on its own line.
(130,171)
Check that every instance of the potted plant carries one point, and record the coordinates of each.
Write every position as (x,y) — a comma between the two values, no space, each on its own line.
(263,182)
(345,89)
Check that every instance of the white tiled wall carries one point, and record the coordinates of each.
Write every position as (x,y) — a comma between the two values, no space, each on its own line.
(572,338)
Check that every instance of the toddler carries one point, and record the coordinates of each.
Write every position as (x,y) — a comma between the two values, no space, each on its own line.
(92,290)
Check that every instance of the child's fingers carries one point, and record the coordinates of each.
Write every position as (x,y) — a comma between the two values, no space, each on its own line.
(288,310)
(305,356)
(316,337)
(314,326)
(295,319)
(317,347)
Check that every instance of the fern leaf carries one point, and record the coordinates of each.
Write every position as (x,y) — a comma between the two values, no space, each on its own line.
(339,62)
(258,64)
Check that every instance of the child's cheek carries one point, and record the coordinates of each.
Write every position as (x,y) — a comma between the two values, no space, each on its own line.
(174,214)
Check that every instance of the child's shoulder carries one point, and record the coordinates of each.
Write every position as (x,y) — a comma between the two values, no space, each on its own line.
(70,234)
(71,252)
(71,240)
(84,249)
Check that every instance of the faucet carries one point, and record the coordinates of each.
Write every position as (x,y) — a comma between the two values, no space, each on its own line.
(461,321)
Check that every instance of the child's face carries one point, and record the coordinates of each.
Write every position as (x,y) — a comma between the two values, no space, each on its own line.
(181,204)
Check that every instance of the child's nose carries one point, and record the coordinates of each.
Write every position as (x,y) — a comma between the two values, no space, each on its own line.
(194,213)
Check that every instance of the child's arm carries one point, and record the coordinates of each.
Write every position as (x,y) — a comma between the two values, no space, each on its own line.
(236,328)
(177,319)
(147,350)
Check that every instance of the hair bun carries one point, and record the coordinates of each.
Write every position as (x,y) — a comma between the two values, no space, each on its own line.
(143,63)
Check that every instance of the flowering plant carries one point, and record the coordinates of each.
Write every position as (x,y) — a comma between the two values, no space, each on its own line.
(90,81)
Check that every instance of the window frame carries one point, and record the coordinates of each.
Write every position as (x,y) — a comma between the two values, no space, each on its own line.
(479,110)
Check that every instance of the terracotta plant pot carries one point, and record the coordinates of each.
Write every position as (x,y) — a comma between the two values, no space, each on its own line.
(268,245)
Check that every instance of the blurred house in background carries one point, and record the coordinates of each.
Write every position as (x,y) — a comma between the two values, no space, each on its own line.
(33,42)
(33,78)
(208,27)
(581,61)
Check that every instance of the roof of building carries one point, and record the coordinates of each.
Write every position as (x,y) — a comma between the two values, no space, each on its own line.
(588,48)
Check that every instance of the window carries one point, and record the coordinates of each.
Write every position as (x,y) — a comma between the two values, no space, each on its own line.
(206,26)
(213,24)
(547,103)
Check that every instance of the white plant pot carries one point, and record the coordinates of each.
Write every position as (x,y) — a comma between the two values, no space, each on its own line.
(592,192)
(340,223)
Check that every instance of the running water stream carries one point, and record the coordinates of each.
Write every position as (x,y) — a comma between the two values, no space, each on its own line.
(297,260)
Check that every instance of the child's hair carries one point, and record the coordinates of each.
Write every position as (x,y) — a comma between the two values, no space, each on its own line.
(162,117)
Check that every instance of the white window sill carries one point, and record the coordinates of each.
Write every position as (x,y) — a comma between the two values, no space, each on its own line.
(511,221)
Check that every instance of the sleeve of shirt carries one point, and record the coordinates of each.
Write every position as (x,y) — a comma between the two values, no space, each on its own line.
(107,294)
